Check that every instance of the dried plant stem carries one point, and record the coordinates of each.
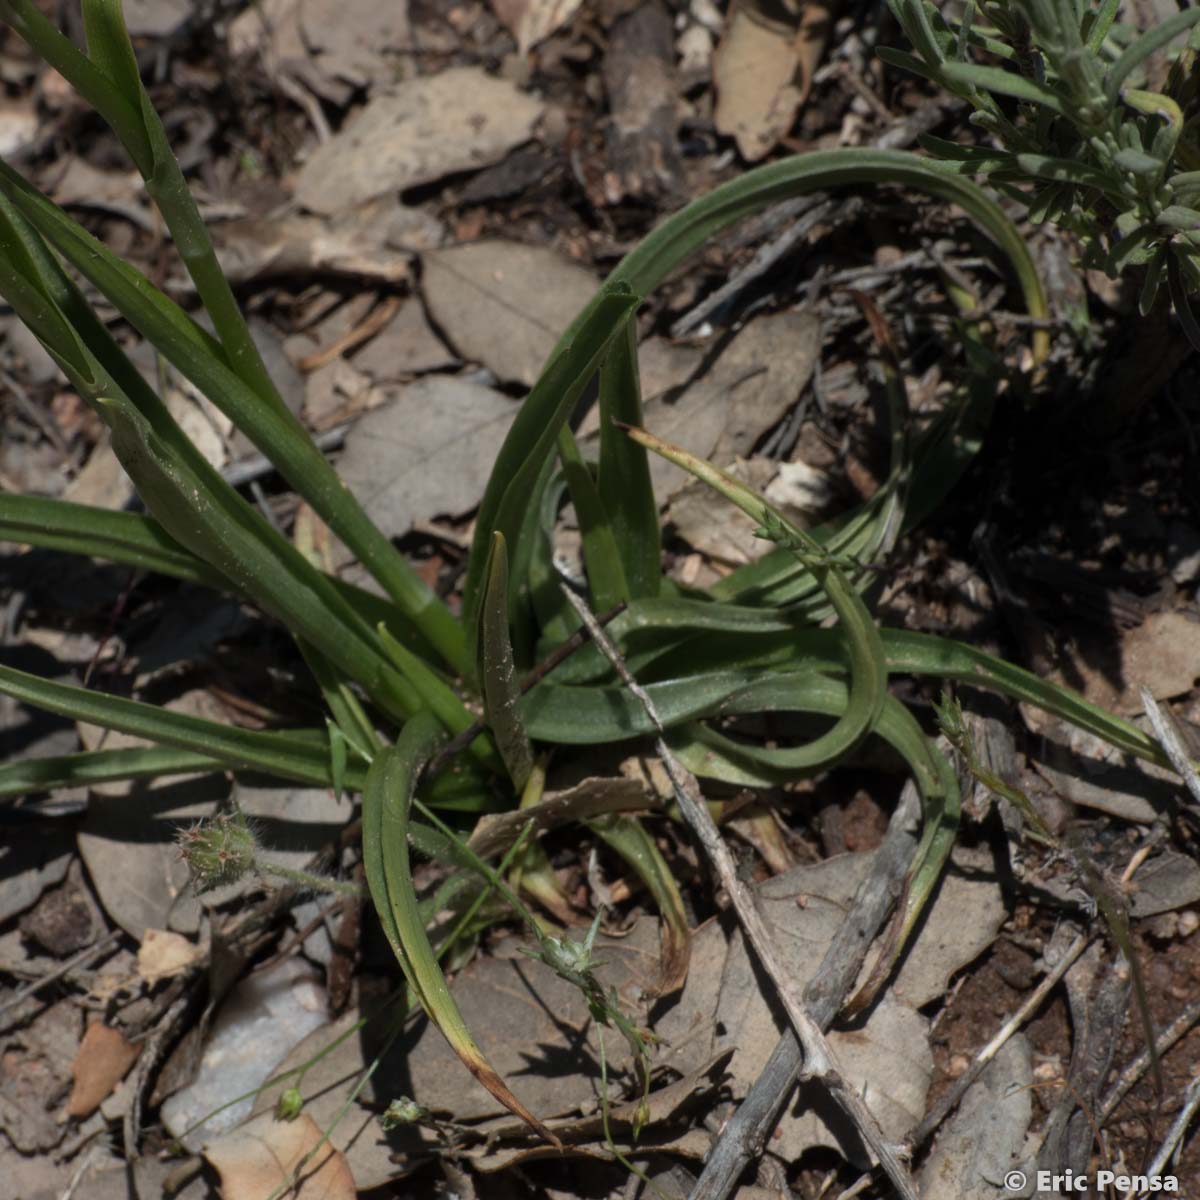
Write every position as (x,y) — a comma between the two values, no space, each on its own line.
(1174,1136)
(938,1114)
(1168,736)
(819,1061)
(1138,1066)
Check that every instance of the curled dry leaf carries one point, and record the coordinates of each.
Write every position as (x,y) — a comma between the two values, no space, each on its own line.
(163,953)
(264,1154)
(103,1058)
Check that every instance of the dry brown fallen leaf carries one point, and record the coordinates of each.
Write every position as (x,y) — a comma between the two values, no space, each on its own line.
(1162,654)
(503,303)
(261,1156)
(532,21)
(763,70)
(425,128)
(164,953)
(426,452)
(103,1058)
(535,1028)
(758,377)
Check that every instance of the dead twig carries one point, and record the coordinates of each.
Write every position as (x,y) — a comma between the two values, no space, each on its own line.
(1191,1102)
(64,968)
(367,328)
(820,1063)
(1172,743)
(1137,1067)
(1032,1002)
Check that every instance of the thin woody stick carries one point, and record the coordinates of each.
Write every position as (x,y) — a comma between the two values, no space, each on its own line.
(819,1060)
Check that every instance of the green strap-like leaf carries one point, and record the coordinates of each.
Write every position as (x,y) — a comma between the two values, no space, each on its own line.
(868,668)
(497,671)
(100,766)
(623,475)
(601,547)
(387,798)
(294,755)
(520,470)
(272,428)
(218,526)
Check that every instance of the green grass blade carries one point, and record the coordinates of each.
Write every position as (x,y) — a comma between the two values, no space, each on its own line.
(439,698)
(868,669)
(497,671)
(100,766)
(276,432)
(1150,41)
(911,653)
(295,755)
(136,540)
(518,474)
(1066,170)
(623,476)
(601,550)
(110,49)
(1004,82)
(688,230)
(350,722)
(122,537)
(387,799)
(217,525)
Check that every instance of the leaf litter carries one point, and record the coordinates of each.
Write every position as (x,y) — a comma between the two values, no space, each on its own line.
(720,1028)
(355,58)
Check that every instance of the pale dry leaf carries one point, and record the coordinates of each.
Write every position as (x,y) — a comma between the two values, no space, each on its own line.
(156,18)
(710,524)
(536,1030)
(1161,654)
(984,1139)
(427,128)
(128,846)
(102,483)
(664,367)
(330,46)
(264,1154)
(359,41)
(532,21)
(1167,882)
(405,347)
(104,1056)
(505,304)
(163,953)
(18,126)
(755,69)
(427,452)
(373,241)
(532,1025)
(888,1058)
(759,375)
